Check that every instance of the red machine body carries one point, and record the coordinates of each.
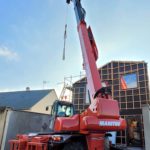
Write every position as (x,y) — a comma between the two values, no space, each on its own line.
(101,116)
(103,113)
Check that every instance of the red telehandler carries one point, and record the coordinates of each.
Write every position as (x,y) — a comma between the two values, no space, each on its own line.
(84,131)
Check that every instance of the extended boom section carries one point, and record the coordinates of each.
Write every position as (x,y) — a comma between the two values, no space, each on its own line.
(103,113)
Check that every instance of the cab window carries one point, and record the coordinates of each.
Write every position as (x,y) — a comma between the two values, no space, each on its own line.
(65,111)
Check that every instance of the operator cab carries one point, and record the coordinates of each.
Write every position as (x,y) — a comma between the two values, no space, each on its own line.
(60,109)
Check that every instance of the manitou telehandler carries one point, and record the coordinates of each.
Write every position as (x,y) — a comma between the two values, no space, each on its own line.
(84,131)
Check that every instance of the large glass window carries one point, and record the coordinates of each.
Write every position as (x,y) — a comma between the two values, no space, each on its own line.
(128,81)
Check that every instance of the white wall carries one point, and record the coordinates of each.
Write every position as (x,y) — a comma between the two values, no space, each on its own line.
(48,100)
(3,113)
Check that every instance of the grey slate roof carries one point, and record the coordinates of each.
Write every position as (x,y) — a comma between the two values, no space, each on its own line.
(22,100)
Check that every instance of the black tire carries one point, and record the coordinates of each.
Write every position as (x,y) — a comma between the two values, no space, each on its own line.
(73,146)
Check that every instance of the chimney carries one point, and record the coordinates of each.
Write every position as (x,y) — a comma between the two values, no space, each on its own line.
(27,88)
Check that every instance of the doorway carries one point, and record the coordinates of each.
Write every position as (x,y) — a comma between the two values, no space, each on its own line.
(134,136)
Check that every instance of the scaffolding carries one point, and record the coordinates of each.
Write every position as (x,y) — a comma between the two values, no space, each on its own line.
(66,92)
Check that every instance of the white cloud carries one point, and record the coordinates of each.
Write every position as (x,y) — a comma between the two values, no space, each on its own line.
(8,53)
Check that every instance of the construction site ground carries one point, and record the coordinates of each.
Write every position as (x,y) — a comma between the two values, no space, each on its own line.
(134,148)
(128,148)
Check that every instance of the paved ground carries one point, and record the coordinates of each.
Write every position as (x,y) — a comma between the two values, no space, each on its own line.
(129,148)
(134,148)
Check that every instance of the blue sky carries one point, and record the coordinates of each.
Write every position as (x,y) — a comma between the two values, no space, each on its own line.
(31,38)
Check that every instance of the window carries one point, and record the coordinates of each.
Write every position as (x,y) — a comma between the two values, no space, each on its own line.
(122,93)
(76,90)
(116,93)
(142,84)
(81,101)
(115,64)
(109,71)
(109,76)
(136,98)
(141,72)
(134,67)
(118,133)
(129,92)
(109,82)
(136,104)
(141,78)
(104,77)
(140,65)
(115,76)
(104,71)
(81,95)
(123,133)
(123,99)
(143,97)
(116,70)
(123,141)
(123,105)
(127,68)
(121,64)
(129,98)
(144,102)
(116,87)
(116,81)
(118,140)
(81,90)
(121,69)
(76,96)
(76,107)
(81,108)
(129,105)
(116,98)
(142,91)
(64,110)
(128,81)
(136,91)
(53,110)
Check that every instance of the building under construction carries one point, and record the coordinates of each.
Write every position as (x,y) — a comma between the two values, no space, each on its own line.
(130,86)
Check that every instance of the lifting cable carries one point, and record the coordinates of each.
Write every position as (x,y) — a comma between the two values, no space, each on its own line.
(65,33)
